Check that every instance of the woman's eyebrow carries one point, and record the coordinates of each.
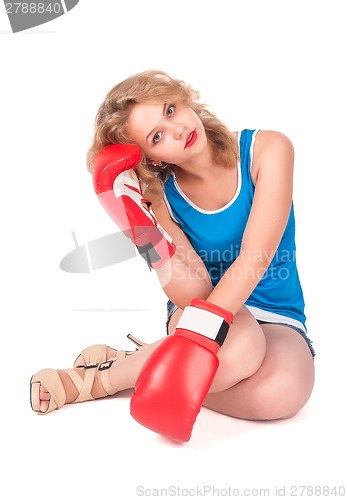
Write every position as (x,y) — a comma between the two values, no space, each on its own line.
(151,132)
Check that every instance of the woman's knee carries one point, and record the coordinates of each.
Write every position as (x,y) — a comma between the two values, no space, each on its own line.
(240,356)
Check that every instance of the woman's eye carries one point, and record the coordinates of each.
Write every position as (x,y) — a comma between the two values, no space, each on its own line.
(170,110)
(157,137)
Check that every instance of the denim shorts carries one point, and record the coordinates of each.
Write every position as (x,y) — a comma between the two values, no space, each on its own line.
(171,308)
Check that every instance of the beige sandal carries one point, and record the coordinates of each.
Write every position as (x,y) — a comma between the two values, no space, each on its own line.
(92,358)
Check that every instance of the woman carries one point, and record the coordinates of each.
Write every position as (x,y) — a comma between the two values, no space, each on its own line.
(225,199)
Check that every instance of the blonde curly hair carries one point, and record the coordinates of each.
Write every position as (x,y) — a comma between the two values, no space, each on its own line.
(156,86)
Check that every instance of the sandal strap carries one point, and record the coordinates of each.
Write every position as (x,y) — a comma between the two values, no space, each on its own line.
(105,380)
(83,386)
(94,358)
(92,355)
(96,354)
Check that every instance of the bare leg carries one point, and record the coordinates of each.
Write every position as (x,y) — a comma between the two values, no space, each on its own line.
(122,375)
(265,372)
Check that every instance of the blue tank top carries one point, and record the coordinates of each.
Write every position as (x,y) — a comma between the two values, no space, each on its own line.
(216,236)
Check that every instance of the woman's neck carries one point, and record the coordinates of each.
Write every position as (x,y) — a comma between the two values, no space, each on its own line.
(199,168)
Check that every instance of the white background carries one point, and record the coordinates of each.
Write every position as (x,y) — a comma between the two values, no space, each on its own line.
(259,64)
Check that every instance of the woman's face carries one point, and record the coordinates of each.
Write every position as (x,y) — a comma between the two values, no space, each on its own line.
(167,133)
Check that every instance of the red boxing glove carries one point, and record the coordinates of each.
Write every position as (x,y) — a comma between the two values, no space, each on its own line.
(176,378)
(119,190)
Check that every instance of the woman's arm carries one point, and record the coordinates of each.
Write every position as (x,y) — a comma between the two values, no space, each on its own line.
(184,276)
(272,173)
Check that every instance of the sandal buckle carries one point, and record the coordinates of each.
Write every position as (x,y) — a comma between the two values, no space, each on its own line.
(87,367)
(106,365)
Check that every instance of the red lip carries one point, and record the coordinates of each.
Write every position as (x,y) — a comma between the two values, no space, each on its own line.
(191,139)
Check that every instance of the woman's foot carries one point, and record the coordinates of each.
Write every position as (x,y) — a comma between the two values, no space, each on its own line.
(88,379)
(71,391)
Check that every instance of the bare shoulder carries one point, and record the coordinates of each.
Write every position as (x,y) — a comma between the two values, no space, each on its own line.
(271,142)
(271,150)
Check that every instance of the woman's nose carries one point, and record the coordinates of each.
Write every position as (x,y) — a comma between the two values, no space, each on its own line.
(178,131)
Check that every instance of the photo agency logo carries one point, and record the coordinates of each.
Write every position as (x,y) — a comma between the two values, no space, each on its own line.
(26,15)
(103,252)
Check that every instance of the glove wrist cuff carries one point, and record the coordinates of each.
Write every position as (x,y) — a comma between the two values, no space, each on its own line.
(206,319)
(157,254)
(213,308)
